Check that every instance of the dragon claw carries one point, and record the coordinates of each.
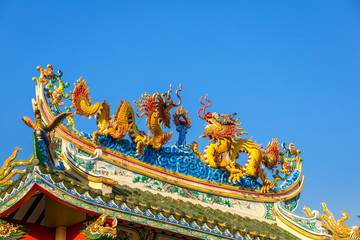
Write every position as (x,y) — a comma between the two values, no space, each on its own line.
(267,185)
(235,175)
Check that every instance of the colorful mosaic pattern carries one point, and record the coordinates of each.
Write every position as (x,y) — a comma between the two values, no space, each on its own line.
(234,204)
(292,203)
(103,205)
(309,224)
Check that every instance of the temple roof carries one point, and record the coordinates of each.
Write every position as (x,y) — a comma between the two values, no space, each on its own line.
(136,205)
(102,178)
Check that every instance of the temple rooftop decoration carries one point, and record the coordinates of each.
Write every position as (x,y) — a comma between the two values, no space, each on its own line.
(121,182)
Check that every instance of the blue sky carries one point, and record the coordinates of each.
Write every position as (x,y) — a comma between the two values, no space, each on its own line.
(290,69)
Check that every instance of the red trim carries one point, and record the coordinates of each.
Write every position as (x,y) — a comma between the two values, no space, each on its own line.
(73,232)
(36,232)
(49,194)
(36,187)
(20,202)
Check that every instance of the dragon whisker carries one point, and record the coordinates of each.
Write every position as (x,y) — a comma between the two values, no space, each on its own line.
(144,113)
(142,109)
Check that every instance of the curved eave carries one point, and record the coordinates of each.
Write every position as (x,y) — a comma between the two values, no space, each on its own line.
(137,166)
(284,217)
(36,181)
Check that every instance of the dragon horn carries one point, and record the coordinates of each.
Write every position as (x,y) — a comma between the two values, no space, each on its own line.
(205,106)
(208,105)
(168,93)
(207,99)
(177,94)
(201,108)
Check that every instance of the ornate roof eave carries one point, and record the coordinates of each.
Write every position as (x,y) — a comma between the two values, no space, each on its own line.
(37,181)
(306,226)
(86,199)
(315,225)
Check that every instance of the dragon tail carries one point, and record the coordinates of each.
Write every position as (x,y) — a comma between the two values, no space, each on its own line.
(208,150)
(194,146)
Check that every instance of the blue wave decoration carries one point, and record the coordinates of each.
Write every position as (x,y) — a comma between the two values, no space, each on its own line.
(290,180)
(180,158)
(177,158)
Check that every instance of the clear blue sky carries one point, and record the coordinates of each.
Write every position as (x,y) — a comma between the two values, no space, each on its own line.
(290,69)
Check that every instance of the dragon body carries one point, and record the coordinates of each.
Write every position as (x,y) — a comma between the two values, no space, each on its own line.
(156,107)
(226,145)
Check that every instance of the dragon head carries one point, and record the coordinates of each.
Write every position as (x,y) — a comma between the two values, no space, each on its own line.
(104,226)
(161,104)
(219,126)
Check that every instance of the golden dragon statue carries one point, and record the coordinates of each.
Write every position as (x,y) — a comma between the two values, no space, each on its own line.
(156,107)
(337,228)
(226,145)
